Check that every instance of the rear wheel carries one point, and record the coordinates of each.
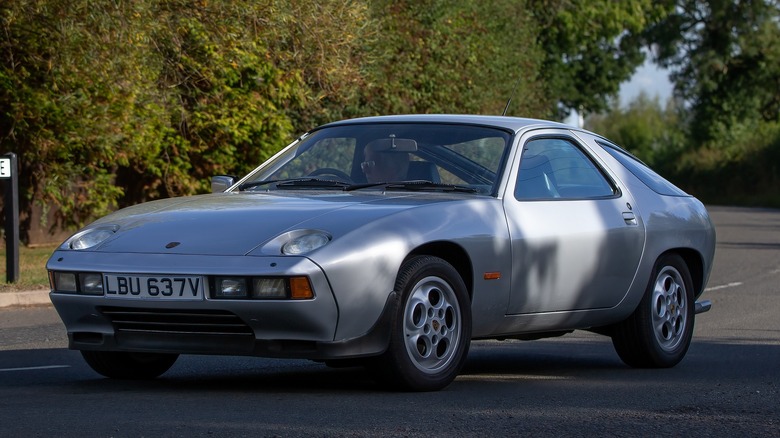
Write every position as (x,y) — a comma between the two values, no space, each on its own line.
(431,327)
(658,333)
(127,365)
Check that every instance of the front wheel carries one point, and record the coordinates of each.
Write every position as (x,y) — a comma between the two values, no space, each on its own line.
(658,333)
(431,327)
(127,365)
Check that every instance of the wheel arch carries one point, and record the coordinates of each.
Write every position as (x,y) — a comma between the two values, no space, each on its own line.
(453,254)
(695,264)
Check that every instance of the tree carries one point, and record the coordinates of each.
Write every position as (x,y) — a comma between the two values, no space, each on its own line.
(72,88)
(112,103)
(109,104)
(651,132)
(463,56)
(590,48)
(725,62)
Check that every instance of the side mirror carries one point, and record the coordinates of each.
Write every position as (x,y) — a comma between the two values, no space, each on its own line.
(220,183)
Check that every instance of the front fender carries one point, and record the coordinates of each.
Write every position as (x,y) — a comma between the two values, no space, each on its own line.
(362,265)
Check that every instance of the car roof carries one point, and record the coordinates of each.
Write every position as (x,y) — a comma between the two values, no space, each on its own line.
(514,124)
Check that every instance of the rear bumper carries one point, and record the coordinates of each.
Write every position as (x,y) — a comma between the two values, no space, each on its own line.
(703,306)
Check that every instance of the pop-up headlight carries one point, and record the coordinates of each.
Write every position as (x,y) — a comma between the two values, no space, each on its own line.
(91,237)
(306,243)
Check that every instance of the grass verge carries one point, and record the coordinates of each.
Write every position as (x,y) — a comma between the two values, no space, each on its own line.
(32,269)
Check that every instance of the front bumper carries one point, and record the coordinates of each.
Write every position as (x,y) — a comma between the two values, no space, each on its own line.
(273,328)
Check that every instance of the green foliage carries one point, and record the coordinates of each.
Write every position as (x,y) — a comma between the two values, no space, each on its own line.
(725,63)
(591,47)
(742,169)
(748,173)
(66,95)
(113,103)
(463,56)
(725,58)
(225,101)
(645,128)
(324,43)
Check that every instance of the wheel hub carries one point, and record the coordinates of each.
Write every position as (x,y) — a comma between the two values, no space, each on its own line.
(432,324)
(670,316)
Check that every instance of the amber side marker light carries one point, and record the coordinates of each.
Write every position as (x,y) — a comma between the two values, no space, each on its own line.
(491,275)
(300,288)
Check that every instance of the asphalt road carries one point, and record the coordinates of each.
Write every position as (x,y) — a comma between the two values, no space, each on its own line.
(728,384)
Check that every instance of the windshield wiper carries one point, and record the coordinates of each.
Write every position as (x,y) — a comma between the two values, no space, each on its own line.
(312,182)
(296,183)
(253,184)
(415,185)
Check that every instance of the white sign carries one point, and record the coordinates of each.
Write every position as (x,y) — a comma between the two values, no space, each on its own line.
(5,167)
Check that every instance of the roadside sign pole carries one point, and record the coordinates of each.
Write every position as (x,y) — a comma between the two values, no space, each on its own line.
(8,173)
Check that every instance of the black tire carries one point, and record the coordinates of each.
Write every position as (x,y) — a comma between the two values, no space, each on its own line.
(430,328)
(129,366)
(658,333)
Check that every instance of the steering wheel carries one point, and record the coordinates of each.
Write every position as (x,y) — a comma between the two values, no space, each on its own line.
(331,171)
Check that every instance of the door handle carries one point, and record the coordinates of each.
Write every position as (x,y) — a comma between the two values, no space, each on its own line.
(629,218)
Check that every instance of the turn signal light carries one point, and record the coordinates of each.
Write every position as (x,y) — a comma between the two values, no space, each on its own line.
(300,288)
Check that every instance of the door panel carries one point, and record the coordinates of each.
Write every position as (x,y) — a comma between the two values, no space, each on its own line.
(576,243)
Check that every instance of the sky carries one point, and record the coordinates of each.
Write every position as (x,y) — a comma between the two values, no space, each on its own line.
(649,78)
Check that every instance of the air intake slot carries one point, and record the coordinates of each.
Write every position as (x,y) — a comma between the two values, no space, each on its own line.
(176,321)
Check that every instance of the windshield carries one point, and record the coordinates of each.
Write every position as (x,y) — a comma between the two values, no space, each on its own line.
(372,155)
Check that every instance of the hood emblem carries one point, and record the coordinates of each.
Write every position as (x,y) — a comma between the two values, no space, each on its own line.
(172,245)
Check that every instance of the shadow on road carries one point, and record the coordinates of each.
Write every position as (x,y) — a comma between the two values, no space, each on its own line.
(589,360)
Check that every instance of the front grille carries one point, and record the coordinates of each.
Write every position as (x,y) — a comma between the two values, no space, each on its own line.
(176,321)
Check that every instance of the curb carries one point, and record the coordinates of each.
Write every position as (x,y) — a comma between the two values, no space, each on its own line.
(26,298)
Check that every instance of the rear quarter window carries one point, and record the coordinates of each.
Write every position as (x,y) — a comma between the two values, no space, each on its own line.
(648,176)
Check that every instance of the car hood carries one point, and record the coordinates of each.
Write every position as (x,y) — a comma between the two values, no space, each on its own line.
(236,223)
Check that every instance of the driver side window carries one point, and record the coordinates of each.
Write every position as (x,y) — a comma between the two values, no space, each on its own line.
(555,168)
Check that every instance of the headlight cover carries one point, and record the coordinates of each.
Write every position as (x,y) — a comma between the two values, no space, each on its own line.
(90,238)
(306,243)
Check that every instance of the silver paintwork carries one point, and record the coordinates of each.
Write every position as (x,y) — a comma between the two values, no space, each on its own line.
(562,265)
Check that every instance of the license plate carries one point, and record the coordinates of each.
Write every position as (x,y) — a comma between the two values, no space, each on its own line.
(154,287)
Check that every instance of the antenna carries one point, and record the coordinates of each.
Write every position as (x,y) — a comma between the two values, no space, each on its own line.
(507,106)
(514,89)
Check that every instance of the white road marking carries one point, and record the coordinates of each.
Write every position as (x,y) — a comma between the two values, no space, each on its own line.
(724,286)
(47,367)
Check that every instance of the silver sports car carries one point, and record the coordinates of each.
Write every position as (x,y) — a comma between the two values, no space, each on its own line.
(392,242)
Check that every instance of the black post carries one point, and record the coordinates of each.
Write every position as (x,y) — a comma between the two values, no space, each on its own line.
(11,205)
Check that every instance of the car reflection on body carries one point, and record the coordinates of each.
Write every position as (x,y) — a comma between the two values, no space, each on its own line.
(499,227)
